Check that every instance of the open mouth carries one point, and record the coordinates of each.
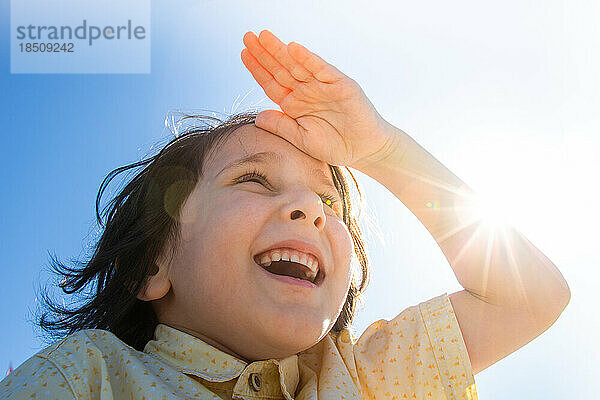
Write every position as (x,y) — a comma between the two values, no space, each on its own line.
(293,270)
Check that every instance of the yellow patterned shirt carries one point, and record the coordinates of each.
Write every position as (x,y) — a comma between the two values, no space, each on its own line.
(420,354)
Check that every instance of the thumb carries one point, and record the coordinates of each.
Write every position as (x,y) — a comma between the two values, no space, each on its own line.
(282,125)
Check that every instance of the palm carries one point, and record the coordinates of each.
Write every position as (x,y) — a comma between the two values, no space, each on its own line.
(325,113)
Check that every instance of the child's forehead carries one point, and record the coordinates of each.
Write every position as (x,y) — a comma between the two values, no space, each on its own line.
(249,140)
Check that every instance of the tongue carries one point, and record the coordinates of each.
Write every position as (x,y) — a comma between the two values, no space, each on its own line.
(287,268)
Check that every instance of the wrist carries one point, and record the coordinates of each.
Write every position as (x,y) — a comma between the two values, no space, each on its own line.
(392,151)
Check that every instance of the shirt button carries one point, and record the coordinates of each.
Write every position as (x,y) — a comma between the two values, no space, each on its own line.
(254,380)
(345,337)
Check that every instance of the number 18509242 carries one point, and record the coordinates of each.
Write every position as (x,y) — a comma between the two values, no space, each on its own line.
(46,47)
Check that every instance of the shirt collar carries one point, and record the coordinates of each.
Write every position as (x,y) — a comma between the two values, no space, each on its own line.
(191,355)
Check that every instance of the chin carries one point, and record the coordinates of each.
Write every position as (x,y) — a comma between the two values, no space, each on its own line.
(296,333)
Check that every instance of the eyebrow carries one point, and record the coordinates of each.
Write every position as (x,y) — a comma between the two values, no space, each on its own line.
(266,157)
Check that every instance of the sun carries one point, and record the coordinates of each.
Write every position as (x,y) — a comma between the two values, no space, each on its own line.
(489,206)
(494,209)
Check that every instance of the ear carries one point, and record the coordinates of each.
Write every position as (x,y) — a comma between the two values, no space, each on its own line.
(157,284)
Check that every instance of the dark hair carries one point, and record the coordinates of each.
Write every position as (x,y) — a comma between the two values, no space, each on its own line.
(140,224)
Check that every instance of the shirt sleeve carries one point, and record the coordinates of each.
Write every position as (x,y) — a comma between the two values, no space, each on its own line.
(35,378)
(420,354)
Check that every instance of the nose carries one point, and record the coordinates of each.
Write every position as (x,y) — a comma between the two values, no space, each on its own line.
(305,207)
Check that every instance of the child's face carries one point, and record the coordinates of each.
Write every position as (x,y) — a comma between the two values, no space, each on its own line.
(218,291)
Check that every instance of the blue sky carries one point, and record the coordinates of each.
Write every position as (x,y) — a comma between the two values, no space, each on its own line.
(503,94)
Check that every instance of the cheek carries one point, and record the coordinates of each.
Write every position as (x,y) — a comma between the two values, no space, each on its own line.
(237,216)
(222,217)
(340,237)
(343,253)
(216,234)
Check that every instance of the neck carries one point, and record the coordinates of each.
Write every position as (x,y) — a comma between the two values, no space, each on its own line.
(207,340)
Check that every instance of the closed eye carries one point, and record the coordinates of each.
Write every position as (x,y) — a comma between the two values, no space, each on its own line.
(256,176)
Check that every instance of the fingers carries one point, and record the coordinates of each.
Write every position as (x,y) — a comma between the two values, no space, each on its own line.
(321,70)
(272,88)
(264,57)
(279,50)
(280,69)
(281,125)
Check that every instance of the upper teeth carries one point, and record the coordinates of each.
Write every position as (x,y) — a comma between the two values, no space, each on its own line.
(289,255)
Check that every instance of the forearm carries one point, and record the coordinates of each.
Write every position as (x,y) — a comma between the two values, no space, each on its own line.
(496,263)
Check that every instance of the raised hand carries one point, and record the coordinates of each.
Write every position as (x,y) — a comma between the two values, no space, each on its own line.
(325,113)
